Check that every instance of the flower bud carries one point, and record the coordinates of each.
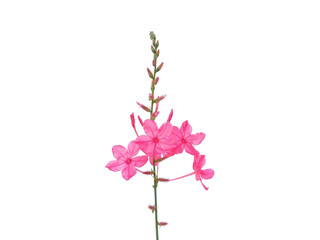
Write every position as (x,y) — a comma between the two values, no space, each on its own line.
(162,223)
(152,49)
(151,96)
(148,172)
(140,120)
(160,66)
(144,107)
(157,44)
(155,114)
(153,63)
(152,35)
(156,81)
(150,73)
(132,120)
(158,99)
(170,115)
(152,208)
(163,180)
(158,53)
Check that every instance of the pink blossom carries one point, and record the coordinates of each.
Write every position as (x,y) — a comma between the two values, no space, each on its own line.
(182,139)
(198,163)
(154,142)
(126,161)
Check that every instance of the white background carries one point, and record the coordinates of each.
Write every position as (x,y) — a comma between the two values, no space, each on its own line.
(246,73)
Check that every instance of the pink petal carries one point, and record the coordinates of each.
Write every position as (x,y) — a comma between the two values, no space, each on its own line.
(161,146)
(139,161)
(186,129)
(171,147)
(190,149)
(198,162)
(116,165)
(119,152)
(133,149)
(146,144)
(165,130)
(143,139)
(149,149)
(196,139)
(176,134)
(150,127)
(128,172)
(207,173)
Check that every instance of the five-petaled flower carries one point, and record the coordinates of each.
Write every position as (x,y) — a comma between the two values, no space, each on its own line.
(126,161)
(198,163)
(182,139)
(154,143)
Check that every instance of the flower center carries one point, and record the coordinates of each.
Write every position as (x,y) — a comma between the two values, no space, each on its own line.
(184,140)
(128,160)
(156,140)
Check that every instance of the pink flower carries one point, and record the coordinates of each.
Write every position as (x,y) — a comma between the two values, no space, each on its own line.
(154,142)
(198,163)
(182,139)
(126,160)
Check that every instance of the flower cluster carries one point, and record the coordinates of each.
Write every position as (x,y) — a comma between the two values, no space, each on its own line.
(158,143)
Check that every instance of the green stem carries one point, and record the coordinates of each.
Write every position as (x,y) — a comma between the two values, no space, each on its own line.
(155,199)
(155,182)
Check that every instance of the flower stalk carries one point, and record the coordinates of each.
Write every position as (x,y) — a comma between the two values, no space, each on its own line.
(155,182)
(158,143)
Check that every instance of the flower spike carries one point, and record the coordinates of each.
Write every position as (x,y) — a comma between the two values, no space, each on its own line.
(158,143)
